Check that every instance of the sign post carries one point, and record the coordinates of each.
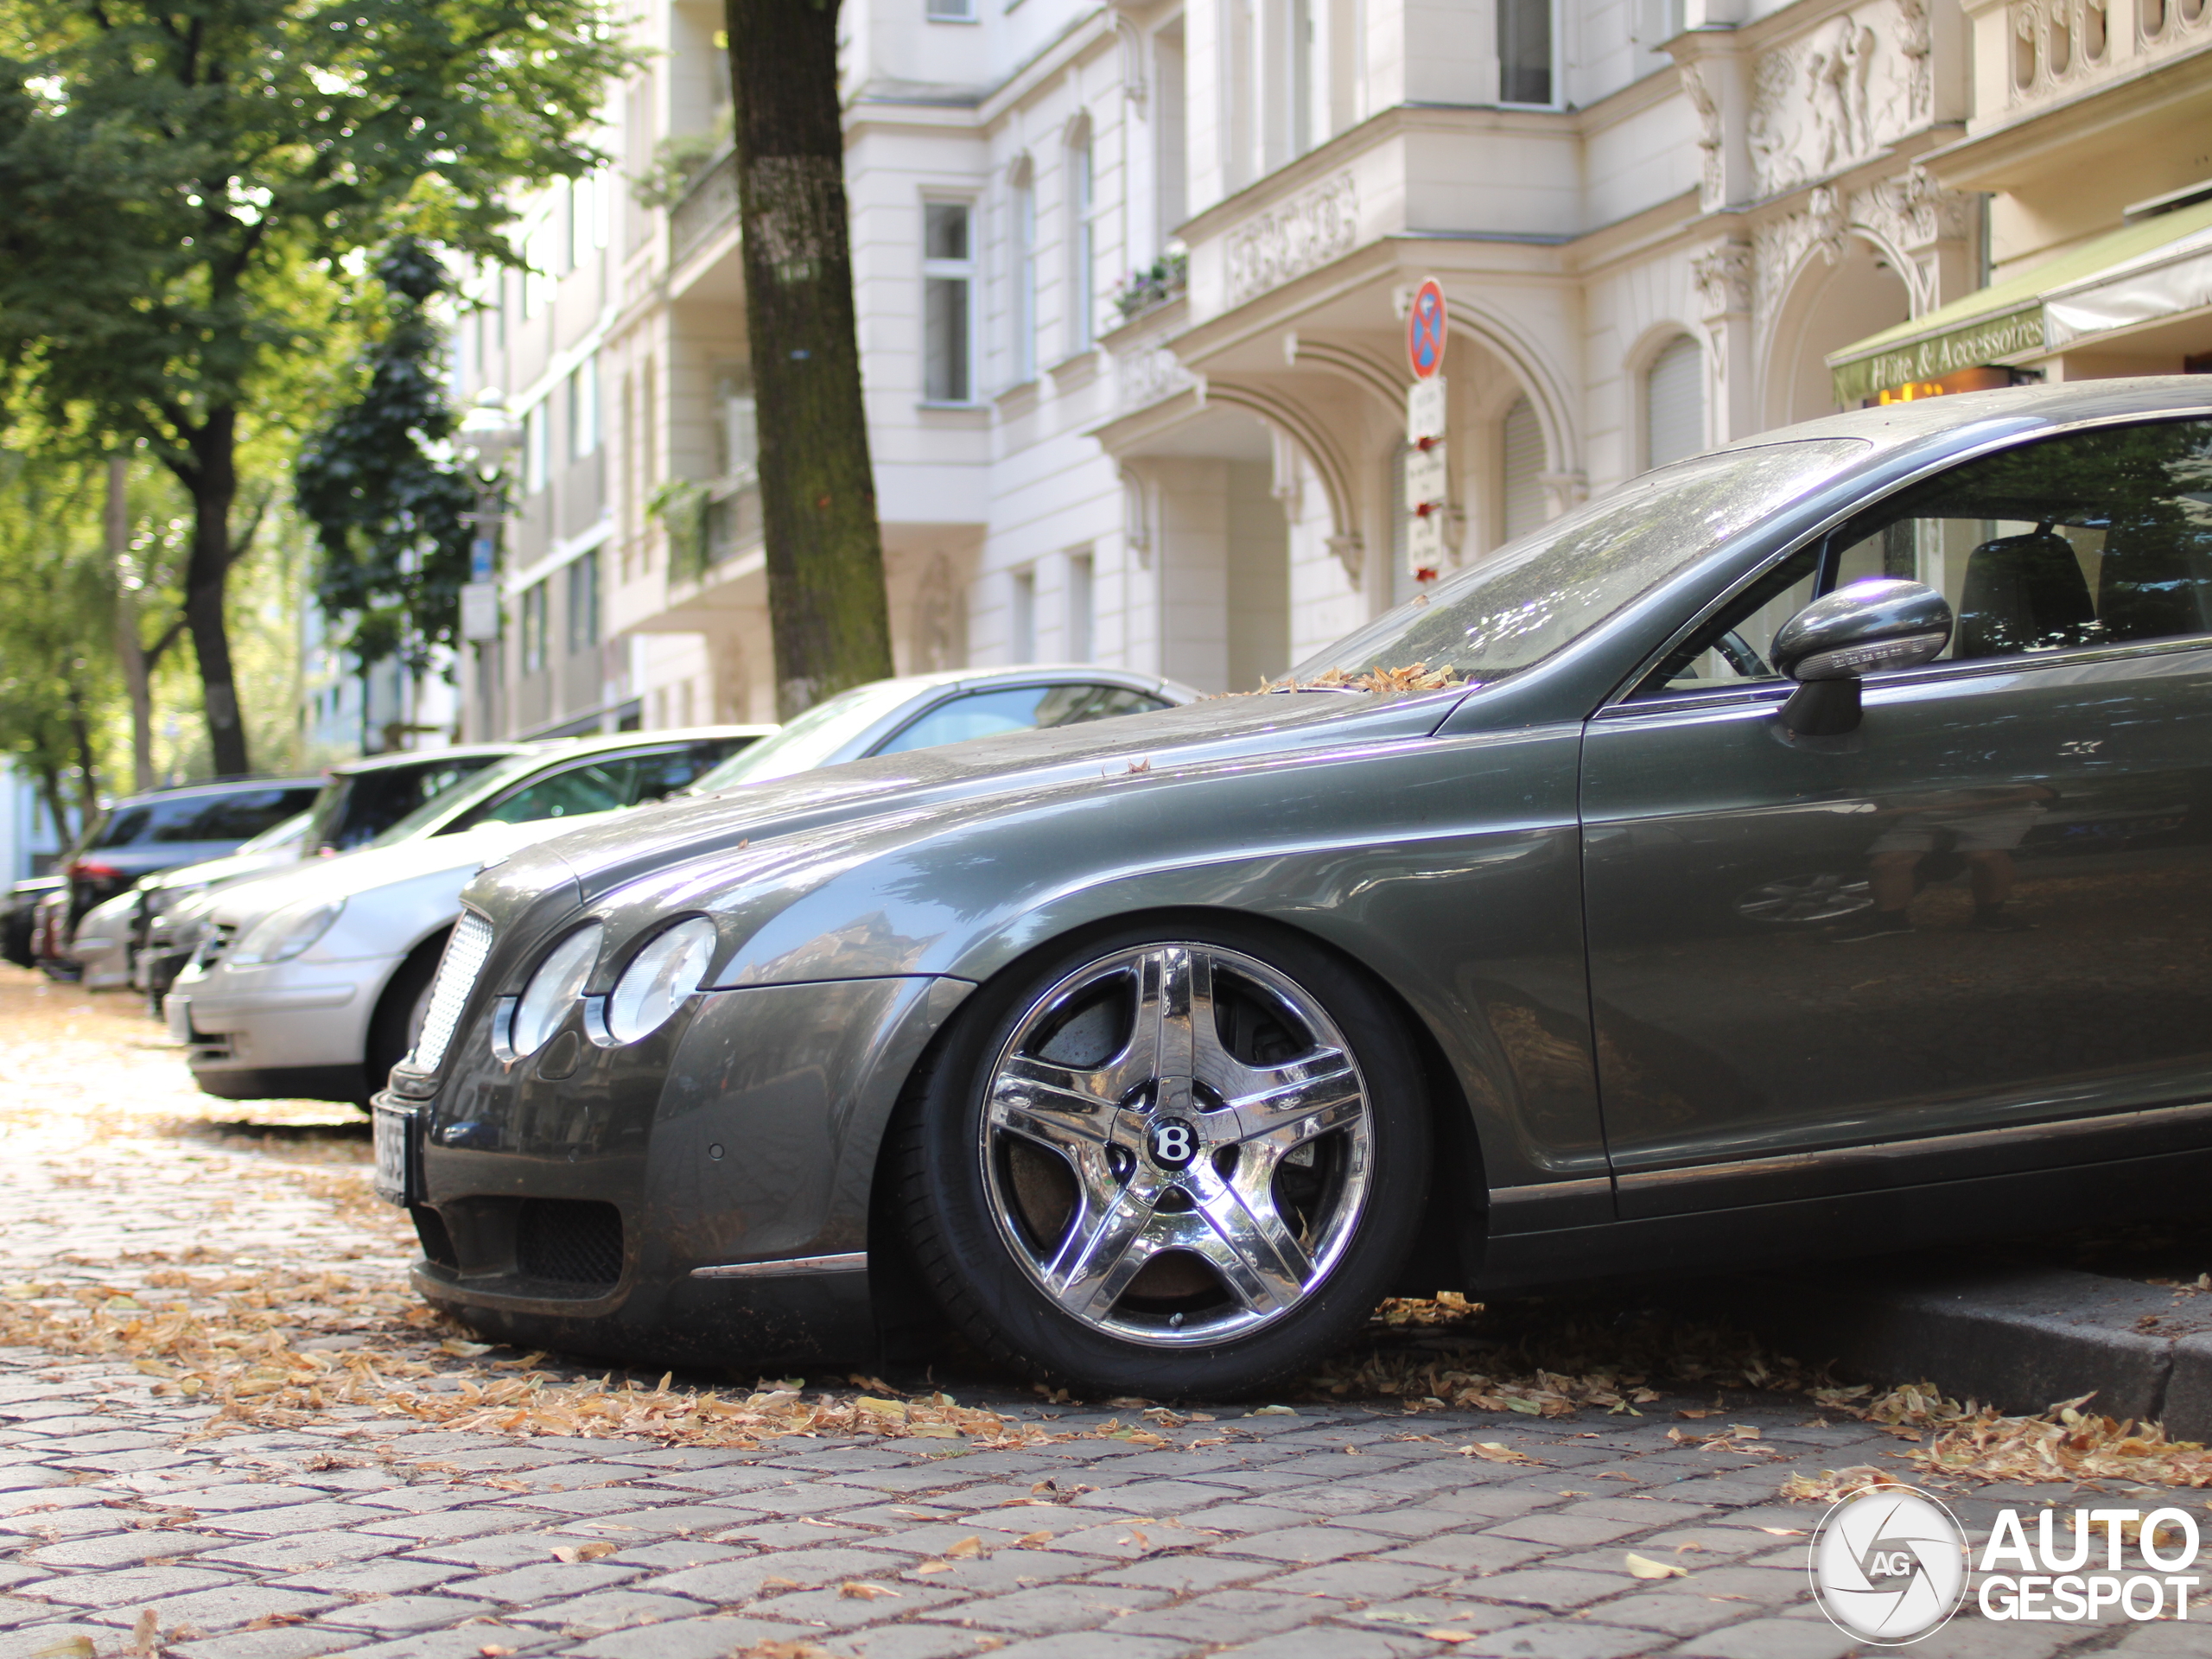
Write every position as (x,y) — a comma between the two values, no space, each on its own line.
(1427,478)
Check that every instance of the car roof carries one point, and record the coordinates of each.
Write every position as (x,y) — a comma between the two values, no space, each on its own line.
(563,747)
(219,786)
(1033,673)
(1895,426)
(425,757)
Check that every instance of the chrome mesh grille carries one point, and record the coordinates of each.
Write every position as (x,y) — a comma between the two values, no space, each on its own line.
(457,970)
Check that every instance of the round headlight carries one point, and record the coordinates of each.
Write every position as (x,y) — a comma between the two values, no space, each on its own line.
(658,978)
(558,982)
(282,934)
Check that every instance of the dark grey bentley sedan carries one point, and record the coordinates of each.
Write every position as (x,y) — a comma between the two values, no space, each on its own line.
(1806,848)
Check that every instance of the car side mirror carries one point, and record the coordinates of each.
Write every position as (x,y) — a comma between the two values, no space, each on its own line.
(1881,622)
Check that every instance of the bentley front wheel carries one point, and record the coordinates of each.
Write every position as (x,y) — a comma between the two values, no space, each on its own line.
(1171,1164)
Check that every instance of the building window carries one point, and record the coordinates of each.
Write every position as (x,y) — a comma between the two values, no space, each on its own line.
(1025,276)
(1674,402)
(1521,474)
(1081,576)
(1082,300)
(536,448)
(948,281)
(1170,163)
(737,425)
(533,628)
(540,248)
(1303,126)
(583,410)
(949,11)
(1022,648)
(583,603)
(1524,51)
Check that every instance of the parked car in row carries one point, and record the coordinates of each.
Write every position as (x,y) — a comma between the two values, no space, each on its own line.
(361,800)
(1152,1055)
(333,1015)
(141,835)
(307,984)
(113,943)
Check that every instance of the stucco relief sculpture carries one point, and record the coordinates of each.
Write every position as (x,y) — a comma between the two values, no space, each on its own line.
(1148,371)
(1836,95)
(1310,229)
(1710,134)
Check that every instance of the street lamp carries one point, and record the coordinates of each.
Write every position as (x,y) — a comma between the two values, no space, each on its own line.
(487,432)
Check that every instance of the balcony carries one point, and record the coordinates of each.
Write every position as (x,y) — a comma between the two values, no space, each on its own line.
(705,212)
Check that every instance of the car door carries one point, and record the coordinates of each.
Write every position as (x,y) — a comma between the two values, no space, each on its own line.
(1826,965)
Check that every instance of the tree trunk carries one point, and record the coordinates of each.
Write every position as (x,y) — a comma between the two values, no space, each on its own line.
(214,486)
(129,648)
(827,611)
(80,739)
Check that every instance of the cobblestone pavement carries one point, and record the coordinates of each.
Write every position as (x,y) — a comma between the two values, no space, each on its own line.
(136,1522)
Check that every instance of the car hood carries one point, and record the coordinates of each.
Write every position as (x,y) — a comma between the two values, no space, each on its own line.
(351,875)
(212,872)
(1214,729)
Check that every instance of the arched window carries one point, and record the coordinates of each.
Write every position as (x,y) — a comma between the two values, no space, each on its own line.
(1520,476)
(1674,402)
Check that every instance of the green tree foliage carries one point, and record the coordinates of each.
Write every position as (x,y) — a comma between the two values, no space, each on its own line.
(390,511)
(58,686)
(189,184)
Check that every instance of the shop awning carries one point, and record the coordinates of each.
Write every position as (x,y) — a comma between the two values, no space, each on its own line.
(2158,268)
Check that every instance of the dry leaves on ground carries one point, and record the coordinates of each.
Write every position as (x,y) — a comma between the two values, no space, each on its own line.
(1978,1443)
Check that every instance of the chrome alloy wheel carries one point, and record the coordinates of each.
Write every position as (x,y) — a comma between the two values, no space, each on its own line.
(1177,1144)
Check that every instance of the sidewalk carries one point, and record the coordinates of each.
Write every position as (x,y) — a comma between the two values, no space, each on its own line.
(235,1478)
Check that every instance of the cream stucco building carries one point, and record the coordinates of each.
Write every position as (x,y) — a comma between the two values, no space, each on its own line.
(1132,280)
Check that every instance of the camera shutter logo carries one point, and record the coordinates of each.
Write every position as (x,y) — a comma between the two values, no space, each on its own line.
(1889,1565)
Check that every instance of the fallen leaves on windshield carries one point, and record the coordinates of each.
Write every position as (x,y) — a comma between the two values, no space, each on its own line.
(1413,676)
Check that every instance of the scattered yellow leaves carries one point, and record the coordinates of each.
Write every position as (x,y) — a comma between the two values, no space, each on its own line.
(860,1590)
(591,1551)
(1495,1451)
(1642,1567)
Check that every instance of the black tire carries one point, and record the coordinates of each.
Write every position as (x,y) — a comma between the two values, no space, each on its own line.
(399,1015)
(967,1252)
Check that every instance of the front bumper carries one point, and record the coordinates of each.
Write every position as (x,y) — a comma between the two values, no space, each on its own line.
(298,1017)
(567,1199)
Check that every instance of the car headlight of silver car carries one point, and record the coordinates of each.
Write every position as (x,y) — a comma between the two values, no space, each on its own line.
(282,934)
(658,979)
(558,982)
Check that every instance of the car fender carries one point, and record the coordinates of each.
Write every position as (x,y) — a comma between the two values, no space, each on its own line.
(1447,867)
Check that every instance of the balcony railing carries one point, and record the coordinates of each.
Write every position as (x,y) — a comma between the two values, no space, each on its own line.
(705,210)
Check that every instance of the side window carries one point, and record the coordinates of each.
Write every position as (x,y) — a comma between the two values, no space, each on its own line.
(1731,648)
(978,713)
(663,774)
(595,786)
(2095,538)
(1071,705)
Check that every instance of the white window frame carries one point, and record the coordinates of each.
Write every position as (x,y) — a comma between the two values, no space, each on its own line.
(583,408)
(951,11)
(1021,231)
(964,271)
(1080,190)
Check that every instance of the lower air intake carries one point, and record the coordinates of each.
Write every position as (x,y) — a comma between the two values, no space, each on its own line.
(569,1241)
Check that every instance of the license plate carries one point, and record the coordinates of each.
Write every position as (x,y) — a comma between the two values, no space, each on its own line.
(394,1130)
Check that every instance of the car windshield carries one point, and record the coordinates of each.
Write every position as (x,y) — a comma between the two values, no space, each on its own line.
(487,783)
(233,816)
(356,807)
(809,740)
(1535,596)
(282,834)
